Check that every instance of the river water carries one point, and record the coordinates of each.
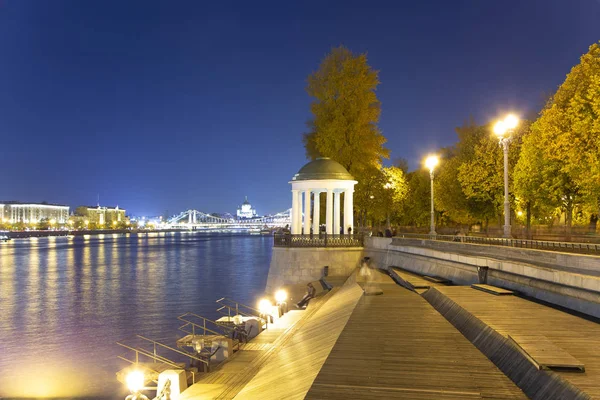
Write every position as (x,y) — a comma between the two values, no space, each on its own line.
(64,302)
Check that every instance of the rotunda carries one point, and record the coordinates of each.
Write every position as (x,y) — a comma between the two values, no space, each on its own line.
(318,176)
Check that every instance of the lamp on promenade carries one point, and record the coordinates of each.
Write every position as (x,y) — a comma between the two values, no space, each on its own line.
(431,162)
(504,130)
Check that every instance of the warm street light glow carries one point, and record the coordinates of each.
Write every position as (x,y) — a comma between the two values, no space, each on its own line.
(52,221)
(265,306)
(431,162)
(500,128)
(135,381)
(511,121)
(280,296)
(503,129)
(87,222)
(508,123)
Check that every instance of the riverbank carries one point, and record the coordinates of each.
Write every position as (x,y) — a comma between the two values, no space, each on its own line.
(29,234)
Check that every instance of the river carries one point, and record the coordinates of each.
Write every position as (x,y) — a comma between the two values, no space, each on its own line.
(65,301)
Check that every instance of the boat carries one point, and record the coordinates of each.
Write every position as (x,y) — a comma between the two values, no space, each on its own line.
(4,238)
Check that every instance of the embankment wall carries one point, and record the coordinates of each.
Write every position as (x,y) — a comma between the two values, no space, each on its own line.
(568,280)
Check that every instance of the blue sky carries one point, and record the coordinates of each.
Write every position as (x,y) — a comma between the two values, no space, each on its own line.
(158,105)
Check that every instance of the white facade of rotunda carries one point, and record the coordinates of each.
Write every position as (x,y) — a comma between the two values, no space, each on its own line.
(303,191)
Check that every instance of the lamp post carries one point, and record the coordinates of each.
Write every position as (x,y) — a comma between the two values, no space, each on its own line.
(431,162)
(504,130)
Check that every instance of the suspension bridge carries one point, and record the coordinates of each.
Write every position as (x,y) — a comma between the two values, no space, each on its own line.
(198,220)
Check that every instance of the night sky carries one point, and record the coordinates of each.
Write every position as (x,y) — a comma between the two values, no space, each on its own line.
(169,105)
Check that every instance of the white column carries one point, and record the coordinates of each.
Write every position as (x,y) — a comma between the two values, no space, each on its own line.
(299,213)
(317,212)
(348,210)
(336,213)
(329,212)
(294,227)
(306,212)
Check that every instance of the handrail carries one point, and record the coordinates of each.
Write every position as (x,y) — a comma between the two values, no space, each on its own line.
(154,357)
(194,325)
(184,353)
(546,245)
(318,240)
(146,353)
(232,304)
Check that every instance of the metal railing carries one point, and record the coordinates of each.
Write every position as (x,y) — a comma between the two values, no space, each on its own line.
(157,358)
(568,247)
(318,240)
(200,328)
(229,306)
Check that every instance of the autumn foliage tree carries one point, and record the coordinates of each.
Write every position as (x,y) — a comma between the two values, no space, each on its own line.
(569,129)
(345,112)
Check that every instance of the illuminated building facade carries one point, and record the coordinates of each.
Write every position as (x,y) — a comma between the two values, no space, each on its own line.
(102,215)
(246,210)
(31,213)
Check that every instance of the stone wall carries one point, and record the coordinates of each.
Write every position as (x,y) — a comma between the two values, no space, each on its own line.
(302,265)
(561,284)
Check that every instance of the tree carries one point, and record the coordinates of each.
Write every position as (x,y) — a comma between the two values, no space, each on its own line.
(415,208)
(529,178)
(569,127)
(345,113)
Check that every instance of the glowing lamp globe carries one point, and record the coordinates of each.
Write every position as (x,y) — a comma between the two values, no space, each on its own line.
(431,162)
(265,306)
(500,128)
(135,381)
(281,296)
(511,121)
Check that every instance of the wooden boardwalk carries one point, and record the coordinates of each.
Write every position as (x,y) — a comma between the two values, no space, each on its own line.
(290,371)
(498,291)
(396,346)
(518,317)
(415,282)
(227,376)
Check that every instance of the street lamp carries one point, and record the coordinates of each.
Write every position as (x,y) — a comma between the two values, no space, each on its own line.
(504,130)
(431,162)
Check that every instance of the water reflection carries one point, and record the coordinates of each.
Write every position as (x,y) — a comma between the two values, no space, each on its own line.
(64,302)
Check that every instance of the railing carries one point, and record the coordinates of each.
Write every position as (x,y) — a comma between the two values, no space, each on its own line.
(157,358)
(229,306)
(318,240)
(568,247)
(200,328)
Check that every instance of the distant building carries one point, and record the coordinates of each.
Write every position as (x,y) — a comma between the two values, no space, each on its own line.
(31,213)
(246,210)
(101,215)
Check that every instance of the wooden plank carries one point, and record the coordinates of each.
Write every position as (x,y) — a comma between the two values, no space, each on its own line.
(544,354)
(397,346)
(492,289)
(291,370)
(437,279)
(516,316)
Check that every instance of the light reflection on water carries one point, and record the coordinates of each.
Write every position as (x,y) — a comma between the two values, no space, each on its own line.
(64,302)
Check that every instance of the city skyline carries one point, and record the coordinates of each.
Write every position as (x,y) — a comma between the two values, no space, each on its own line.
(191,106)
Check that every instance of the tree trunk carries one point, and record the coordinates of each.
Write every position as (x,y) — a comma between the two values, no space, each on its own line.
(593,223)
(569,219)
(528,226)
(388,225)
